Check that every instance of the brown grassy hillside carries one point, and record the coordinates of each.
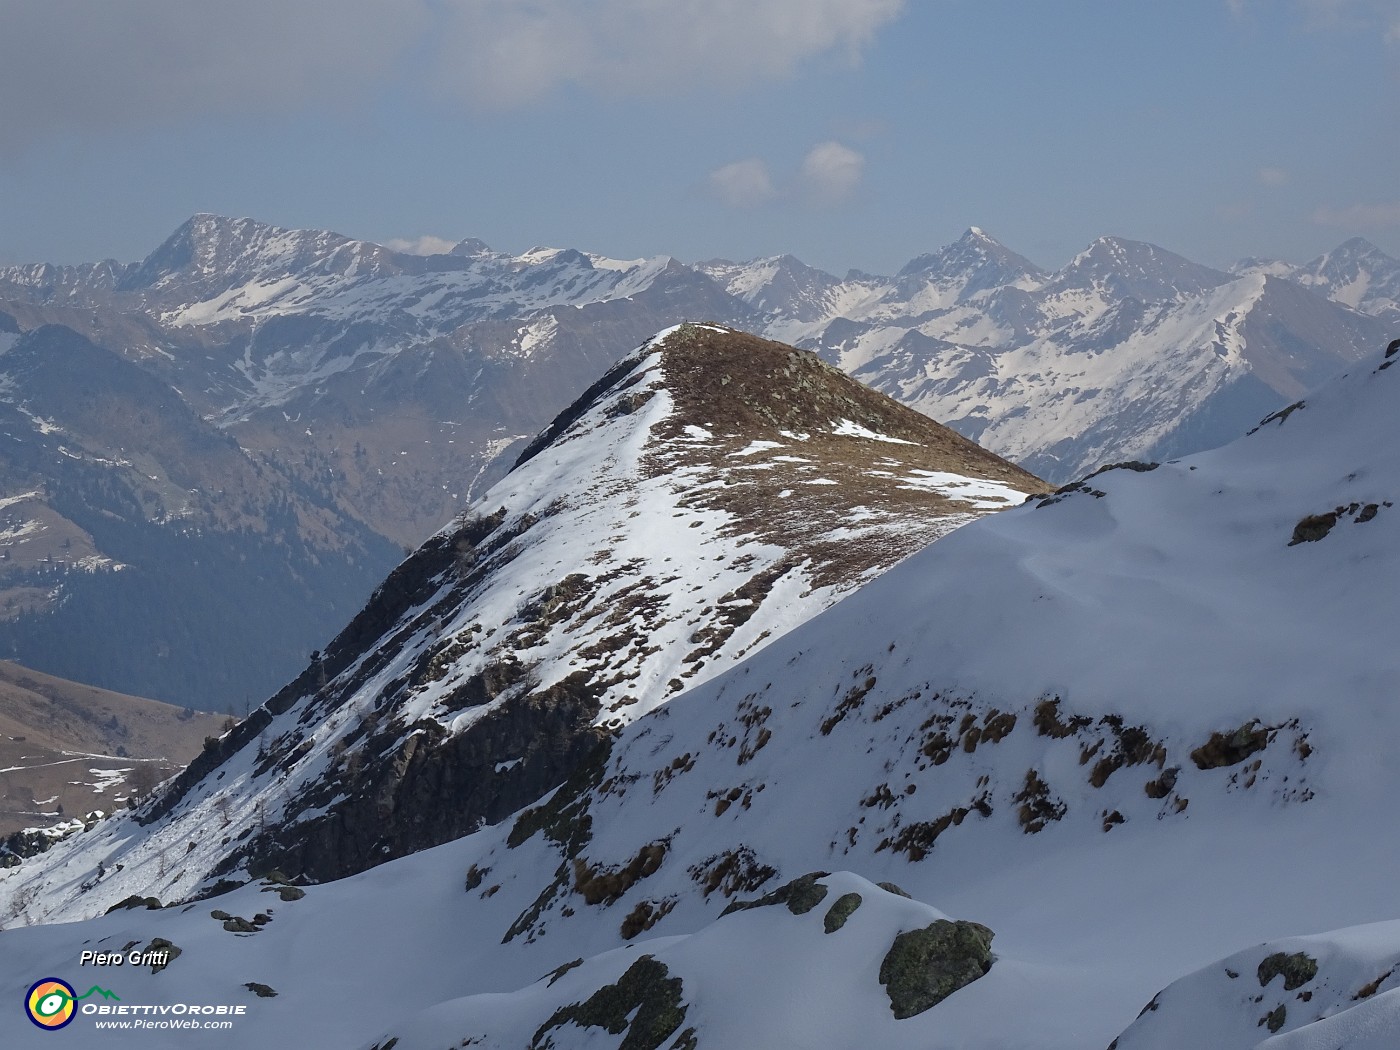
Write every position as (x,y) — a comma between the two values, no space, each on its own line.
(64,744)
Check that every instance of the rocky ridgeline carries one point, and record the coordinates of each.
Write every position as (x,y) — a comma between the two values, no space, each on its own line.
(707,494)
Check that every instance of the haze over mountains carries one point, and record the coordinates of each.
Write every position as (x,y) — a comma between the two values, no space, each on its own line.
(1100,739)
(318,403)
(145,550)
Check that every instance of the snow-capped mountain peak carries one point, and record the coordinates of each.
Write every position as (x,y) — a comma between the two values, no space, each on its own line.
(1358,274)
(779,286)
(214,251)
(1269,267)
(471,247)
(974,263)
(1137,270)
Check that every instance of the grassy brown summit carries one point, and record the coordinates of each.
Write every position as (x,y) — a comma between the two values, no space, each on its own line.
(837,457)
(742,382)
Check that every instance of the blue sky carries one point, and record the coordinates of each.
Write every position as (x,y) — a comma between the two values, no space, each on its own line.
(851,133)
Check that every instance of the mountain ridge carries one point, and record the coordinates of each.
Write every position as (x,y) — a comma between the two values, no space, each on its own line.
(709,493)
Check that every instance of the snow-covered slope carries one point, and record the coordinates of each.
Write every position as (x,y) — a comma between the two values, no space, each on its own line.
(710,492)
(1328,991)
(822,950)
(1127,729)
(390,957)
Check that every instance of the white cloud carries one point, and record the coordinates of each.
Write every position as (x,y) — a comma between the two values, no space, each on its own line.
(425,245)
(831,172)
(120,64)
(1273,176)
(1359,216)
(743,184)
(501,53)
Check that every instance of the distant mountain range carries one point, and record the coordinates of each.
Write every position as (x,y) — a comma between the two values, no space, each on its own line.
(288,410)
(1128,352)
(145,550)
(255,323)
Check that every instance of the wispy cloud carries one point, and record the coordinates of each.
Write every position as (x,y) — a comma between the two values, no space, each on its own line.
(831,172)
(501,53)
(80,65)
(743,184)
(1272,176)
(1358,216)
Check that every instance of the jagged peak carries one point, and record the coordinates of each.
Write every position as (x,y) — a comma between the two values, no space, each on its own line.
(786,261)
(1139,269)
(783,261)
(976,258)
(979,237)
(1350,254)
(471,248)
(781,284)
(219,247)
(1358,246)
(211,232)
(1125,248)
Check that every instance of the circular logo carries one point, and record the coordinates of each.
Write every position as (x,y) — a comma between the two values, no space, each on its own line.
(50,1003)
